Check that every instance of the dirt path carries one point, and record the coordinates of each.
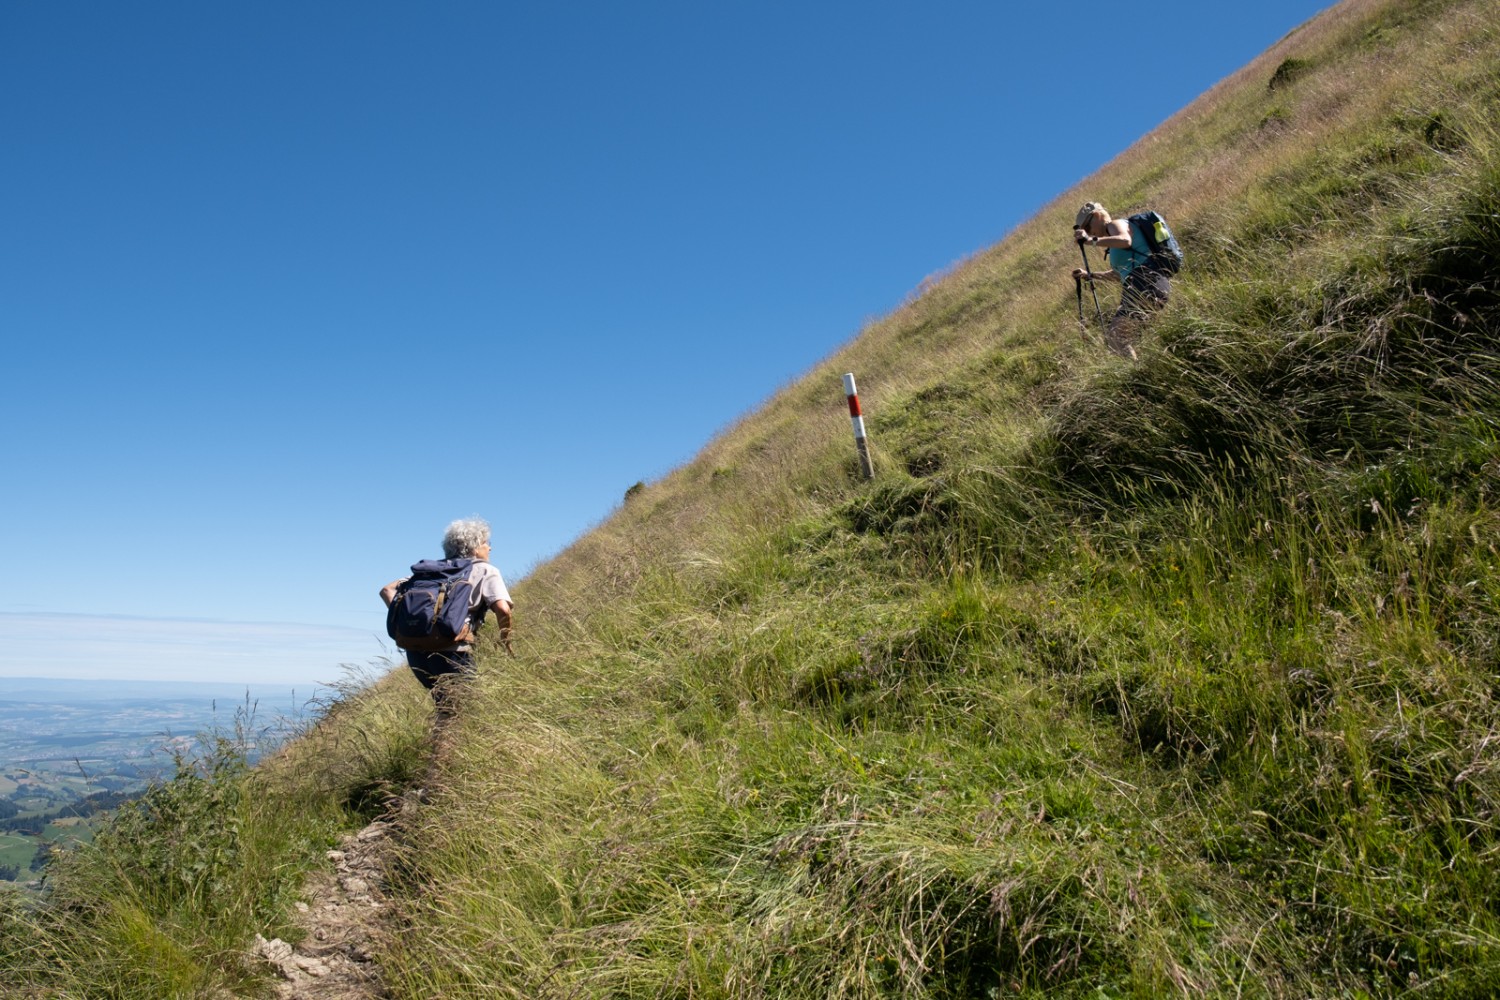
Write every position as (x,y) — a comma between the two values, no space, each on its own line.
(335,961)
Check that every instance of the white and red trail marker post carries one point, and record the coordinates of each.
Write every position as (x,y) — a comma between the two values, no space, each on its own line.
(861,443)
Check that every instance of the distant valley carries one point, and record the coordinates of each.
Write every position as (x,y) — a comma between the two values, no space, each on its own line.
(71,750)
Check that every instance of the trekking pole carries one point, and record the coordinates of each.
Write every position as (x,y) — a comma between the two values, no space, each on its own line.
(1090,272)
(1083,328)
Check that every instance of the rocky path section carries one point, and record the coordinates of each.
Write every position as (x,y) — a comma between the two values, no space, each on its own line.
(343,917)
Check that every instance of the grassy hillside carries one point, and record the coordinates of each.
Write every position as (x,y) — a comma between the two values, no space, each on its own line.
(1174,677)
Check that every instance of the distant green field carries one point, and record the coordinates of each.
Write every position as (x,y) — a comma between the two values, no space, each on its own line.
(69,831)
(16,851)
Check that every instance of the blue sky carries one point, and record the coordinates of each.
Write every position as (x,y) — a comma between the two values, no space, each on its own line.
(286,287)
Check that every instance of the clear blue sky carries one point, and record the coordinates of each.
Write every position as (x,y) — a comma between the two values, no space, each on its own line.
(286,287)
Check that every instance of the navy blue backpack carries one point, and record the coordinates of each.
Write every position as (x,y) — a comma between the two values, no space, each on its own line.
(431,609)
(1166,255)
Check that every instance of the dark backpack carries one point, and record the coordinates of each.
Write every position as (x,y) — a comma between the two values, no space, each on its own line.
(1166,255)
(431,609)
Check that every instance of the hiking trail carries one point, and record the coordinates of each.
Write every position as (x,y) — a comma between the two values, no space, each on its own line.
(343,920)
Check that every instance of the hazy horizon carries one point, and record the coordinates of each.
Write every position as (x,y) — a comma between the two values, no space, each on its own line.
(24,688)
(184,650)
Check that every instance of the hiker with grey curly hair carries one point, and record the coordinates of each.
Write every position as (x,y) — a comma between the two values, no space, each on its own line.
(1136,260)
(463,538)
(440,647)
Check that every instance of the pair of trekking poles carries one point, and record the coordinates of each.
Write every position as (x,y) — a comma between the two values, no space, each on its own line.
(1083,329)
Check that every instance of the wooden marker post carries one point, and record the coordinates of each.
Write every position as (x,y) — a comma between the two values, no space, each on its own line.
(860,443)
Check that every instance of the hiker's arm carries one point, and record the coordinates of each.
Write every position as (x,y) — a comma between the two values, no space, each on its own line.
(1079,272)
(388,592)
(503,619)
(1117,238)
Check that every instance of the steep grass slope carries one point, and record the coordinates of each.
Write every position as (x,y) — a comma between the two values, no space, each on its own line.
(1166,678)
(1153,679)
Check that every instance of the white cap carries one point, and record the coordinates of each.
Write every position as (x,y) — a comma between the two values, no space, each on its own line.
(1086,212)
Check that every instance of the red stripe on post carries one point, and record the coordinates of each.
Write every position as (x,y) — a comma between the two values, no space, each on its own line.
(851,393)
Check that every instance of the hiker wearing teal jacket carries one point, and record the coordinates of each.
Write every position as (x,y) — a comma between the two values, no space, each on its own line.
(1145,285)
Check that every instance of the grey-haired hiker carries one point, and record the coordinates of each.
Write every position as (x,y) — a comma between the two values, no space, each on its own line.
(449,658)
(1138,265)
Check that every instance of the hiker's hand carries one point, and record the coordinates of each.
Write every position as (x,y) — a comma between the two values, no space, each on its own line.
(1080,236)
(1080,273)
